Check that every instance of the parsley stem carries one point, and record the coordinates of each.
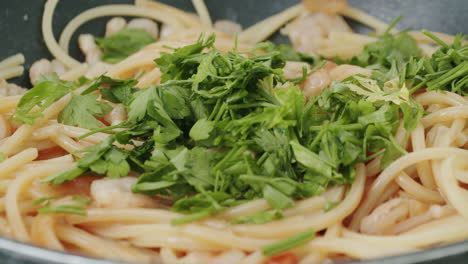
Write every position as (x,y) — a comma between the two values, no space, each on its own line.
(251,105)
(191,218)
(220,113)
(454,73)
(255,178)
(232,152)
(392,25)
(104,129)
(397,146)
(215,109)
(263,158)
(67,209)
(417,87)
(318,138)
(428,66)
(435,38)
(289,243)
(337,127)
(306,74)
(371,157)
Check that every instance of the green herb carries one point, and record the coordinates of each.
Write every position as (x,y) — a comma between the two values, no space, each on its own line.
(123,44)
(311,160)
(62,177)
(2,157)
(388,48)
(390,92)
(201,130)
(289,243)
(82,111)
(218,133)
(192,217)
(200,206)
(48,90)
(104,158)
(82,199)
(398,57)
(286,52)
(448,67)
(276,198)
(113,90)
(68,209)
(330,205)
(44,200)
(258,218)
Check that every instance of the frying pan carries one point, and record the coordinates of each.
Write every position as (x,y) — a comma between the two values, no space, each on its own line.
(20,22)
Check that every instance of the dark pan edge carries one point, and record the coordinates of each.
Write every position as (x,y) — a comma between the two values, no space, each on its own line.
(14,252)
(17,252)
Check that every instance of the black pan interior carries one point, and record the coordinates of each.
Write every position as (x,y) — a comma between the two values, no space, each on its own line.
(20,19)
(20,28)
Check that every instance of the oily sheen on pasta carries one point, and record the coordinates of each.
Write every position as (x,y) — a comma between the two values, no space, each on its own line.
(80,173)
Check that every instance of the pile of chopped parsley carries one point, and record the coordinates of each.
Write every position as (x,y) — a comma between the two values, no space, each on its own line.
(217,132)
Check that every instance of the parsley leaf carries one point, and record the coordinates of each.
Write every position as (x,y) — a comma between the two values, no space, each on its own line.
(201,130)
(49,89)
(180,64)
(286,52)
(388,48)
(113,90)
(123,44)
(64,176)
(103,158)
(81,111)
(200,206)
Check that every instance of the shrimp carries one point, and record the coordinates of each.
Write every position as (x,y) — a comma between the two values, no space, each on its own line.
(316,82)
(146,24)
(307,31)
(293,69)
(10,89)
(166,31)
(117,115)
(89,48)
(117,193)
(344,71)
(385,216)
(44,66)
(39,68)
(58,67)
(114,25)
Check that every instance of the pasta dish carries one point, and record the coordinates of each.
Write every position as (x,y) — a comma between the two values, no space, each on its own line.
(185,140)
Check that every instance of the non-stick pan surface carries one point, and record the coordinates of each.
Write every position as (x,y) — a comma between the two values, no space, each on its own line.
(20,22)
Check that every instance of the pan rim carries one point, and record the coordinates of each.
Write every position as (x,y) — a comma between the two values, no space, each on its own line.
(27,252)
